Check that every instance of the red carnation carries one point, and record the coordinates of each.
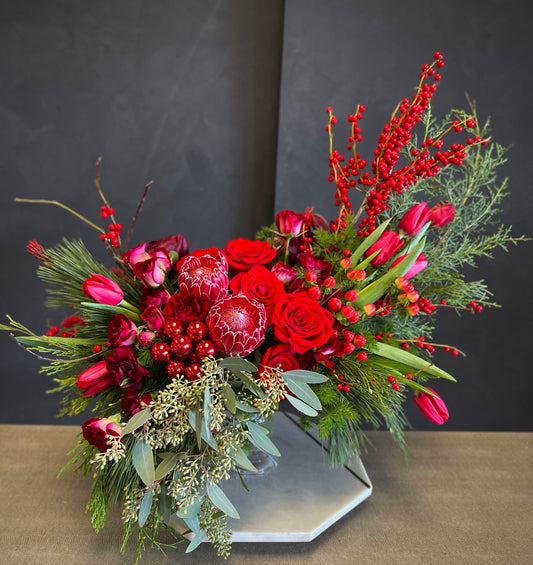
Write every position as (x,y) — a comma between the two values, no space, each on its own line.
(237,324)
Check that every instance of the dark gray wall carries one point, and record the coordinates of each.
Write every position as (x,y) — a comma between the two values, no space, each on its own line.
(186,93)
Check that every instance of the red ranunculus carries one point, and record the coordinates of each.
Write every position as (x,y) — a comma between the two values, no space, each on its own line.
(414,219)
(258,284)
(121,331)
(289,222)
(150,268)
(309,262)
(186,308)
(301,322)
(245,253)
(95,379)
(237,325)
(204,277)
(102,290)
(172,243)
(95,431)
(285,273)
(124,368)
(157,297)
(131,402)
(389,242)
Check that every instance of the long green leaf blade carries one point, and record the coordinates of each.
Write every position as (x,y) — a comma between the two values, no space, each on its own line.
(136,421)
(221,501)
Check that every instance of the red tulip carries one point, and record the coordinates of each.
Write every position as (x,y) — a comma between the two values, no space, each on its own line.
(388,243)
(413,220)
(432,407)
(95,379)
(103,290)
(441,214)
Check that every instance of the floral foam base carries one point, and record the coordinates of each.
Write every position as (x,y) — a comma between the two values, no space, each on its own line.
(300,498)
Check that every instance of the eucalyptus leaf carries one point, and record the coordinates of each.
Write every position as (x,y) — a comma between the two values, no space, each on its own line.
(246,407)
(242,460)
(190,511)
(196,541)
(165,504)
(146,507)
(196,424)
(230,400)
(143,461)
(166,466)
(237,364)
(193,523)
(136,421)
(249,382)
(221,501)
(305,376)
(303,391)
(207,402)
(260,439)
(301,406)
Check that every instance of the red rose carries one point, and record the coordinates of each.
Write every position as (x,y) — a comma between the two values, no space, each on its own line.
(245,253)
(289,222)
(95,431)
(301,322)
(121,331)
(277,357)
(204,277)
(186,308)
(258,284)
(237,325)
(124,368)
(131,402)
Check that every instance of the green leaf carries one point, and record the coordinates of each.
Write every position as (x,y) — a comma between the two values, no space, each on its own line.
(136,421)
(230,400)
(165,503)
(196,541)
(406,358)
(368,241)
(414,241)
(166,466)
(242,460)
(196,424)
(237,364)
(221,501)
(112,310)
(379,287)
(305,376)
(191,510)
(249,382)
(193,523)
(364,264)
(303,391)
(146,507)
(143,461)
(245,407)
(301,406)
(260,439)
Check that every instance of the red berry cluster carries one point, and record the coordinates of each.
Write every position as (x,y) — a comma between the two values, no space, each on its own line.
(421,343)
(68,328)
(186,346)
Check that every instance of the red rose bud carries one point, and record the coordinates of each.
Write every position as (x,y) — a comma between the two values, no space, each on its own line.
(432,407)
(95,431)
(419,265)
(388,243)
(289,223)
(95,379)
(237,325)
(102,290)
(204,277)
(441,214)
(413,220)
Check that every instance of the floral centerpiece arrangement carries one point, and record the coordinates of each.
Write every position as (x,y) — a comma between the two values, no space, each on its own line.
(177,350)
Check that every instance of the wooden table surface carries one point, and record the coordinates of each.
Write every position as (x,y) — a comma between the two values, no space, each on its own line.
(460,497)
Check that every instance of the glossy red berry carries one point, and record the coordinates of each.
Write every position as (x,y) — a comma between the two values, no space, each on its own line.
(181,345)
(174,368)
(193,372)
(361,356)
(173,328)
(334,304)
(205,348)
(160,352)
(197,330)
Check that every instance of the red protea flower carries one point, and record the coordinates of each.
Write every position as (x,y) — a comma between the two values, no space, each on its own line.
(204,277)
(237,324)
